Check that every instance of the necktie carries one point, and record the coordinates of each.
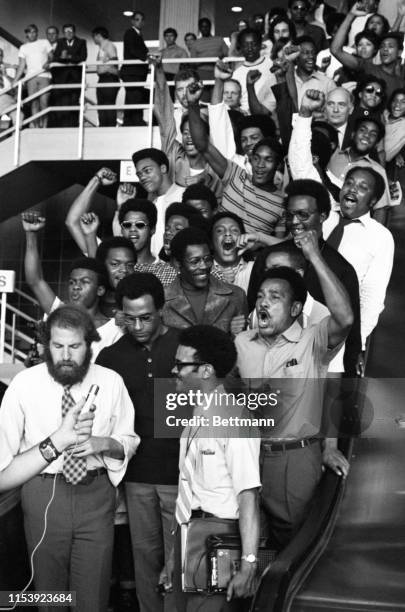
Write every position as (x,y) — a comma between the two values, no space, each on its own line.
(335,237)
(74,468)
(185,493)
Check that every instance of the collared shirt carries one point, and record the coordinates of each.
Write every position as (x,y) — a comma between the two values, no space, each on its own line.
(208,46)
(173,194)
(369,247)
(172,52)
(156,459)
(262,86)
(162,270)
(224,467)
(260,210)
(341,162)
(242,273)
(341,133)
(299,354)
(32,410)
(318,80)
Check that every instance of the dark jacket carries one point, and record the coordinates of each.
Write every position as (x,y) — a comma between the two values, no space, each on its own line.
(134,49)
(77,52)
(224,302)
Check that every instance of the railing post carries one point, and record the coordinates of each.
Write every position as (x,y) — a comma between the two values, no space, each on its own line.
(150,118)
(3,325)
(13,326)
(81,113)
(17,126)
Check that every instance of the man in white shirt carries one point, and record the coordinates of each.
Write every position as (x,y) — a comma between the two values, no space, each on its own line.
(80,479)
(250,45)
(306,74)
(365,243)
(32,58)
(152,169)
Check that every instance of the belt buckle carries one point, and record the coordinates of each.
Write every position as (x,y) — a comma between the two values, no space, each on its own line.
(303,443)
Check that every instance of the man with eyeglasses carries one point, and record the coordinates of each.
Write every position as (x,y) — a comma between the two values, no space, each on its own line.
(221,471)
(138,220)
(195,296)
(146,352)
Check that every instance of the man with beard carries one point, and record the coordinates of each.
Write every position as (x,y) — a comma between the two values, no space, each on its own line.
(82,474)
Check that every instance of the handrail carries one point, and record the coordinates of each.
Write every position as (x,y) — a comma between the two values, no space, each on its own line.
(83,103)
(27,296)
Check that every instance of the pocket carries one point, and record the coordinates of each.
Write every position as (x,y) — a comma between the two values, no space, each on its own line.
(295,371)
(209,468)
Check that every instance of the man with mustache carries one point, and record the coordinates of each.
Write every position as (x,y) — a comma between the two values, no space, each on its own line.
(281,350)
(79,472)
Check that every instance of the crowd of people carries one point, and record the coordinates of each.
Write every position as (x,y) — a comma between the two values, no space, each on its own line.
(252,251)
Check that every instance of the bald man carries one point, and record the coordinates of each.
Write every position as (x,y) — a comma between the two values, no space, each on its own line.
(338,108)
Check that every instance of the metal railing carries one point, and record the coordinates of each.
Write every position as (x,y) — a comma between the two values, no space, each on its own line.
(84,104)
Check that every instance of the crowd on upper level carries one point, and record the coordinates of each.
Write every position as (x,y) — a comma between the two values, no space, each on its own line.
(253,247)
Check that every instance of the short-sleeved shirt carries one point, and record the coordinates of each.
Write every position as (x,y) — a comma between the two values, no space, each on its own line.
(208,46)
(171,53)
(260,210)
(225,466)
(299,360)
(392,81)
(35,55)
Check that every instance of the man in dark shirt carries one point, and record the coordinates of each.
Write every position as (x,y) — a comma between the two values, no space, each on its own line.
(69,50)
(146,352)
(134,49)
(299,10)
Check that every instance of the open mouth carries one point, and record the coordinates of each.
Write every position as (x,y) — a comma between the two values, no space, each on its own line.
(350,199)
(263,317)
(228,246)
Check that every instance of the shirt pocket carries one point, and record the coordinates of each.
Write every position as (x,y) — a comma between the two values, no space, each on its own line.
(294,371)
(208,460)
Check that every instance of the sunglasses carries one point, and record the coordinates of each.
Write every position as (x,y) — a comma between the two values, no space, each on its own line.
(130,224)
(303,215)
(372,90)
(183,364)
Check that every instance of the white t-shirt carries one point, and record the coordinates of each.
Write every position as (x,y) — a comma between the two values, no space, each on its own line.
(262,86)
(35,55)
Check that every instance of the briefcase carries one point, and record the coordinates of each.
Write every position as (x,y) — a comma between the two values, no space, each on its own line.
(211,552)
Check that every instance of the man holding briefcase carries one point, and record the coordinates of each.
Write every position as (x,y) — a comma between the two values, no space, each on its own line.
(219,478)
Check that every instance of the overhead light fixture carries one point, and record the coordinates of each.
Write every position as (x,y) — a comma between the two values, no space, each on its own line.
(128,13)
(236,9)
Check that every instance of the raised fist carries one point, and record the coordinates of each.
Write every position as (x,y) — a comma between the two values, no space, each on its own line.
(32,221)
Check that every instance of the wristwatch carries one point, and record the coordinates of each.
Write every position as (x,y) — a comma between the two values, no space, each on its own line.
(249,558)
(48,450)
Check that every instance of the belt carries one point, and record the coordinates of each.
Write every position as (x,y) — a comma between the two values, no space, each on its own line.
(285,446)
(90,476)
(201,514)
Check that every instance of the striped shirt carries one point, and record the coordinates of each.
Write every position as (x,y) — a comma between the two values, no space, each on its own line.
(260,210)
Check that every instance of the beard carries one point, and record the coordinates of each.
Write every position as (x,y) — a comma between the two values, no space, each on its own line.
(67,372)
